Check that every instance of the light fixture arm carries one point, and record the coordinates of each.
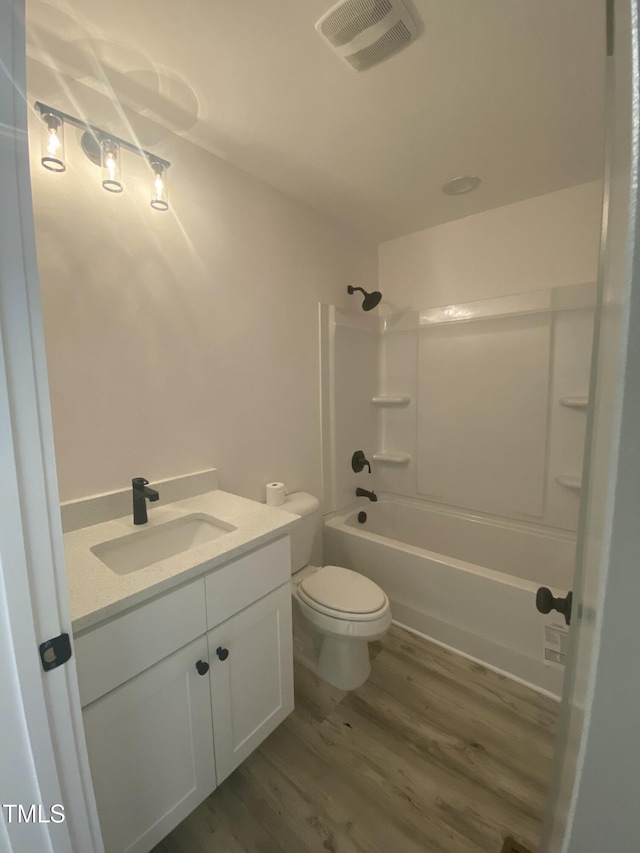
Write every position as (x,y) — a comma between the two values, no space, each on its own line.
(100,134)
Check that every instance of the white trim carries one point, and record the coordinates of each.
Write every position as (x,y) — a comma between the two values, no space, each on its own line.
(41,711)
(592,804)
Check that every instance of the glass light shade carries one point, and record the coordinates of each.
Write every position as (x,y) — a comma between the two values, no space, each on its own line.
(53,142)
(111,172)
(160,196)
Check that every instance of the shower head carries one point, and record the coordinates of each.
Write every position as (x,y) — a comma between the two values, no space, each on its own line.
(370,299)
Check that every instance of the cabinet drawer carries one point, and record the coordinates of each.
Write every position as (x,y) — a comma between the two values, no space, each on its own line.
(243,581)
(113,653)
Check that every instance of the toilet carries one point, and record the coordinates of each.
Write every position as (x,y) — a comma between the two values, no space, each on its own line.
(336,612)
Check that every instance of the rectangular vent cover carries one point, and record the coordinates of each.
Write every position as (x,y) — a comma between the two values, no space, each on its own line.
(353,17)
(364,32)
(397,37)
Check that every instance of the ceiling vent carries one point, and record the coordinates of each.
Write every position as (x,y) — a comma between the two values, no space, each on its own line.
(365,32)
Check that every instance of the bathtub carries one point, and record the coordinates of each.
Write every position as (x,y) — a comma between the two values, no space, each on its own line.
(462,580)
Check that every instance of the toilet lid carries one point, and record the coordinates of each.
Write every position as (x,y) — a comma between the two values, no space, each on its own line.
(341,589)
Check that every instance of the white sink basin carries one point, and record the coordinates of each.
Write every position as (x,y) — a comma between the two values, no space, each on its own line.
(151,545)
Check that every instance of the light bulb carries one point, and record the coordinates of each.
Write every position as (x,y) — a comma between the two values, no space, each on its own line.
(159,200)
(53,142)
(111,177)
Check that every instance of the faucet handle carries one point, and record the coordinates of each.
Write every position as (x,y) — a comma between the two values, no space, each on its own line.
(139,481)
(358,461)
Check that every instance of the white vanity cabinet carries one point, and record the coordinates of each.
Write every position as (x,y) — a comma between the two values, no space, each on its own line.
(152,713)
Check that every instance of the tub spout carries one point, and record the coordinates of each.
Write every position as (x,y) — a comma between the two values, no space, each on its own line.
(363,493)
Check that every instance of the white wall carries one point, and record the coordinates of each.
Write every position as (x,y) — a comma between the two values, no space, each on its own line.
(181,340)
(548,241)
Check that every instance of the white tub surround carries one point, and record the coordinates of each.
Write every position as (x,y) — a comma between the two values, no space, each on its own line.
(97,593)
(477,405)
(466,581)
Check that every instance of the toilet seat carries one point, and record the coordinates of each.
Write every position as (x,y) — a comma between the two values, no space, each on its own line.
(343,594)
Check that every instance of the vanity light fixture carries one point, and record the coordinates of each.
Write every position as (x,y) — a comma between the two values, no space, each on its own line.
(107,153)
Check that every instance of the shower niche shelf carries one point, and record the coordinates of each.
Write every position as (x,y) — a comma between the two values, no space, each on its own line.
(569,481)
(574,402)
(391,458)
(388,400)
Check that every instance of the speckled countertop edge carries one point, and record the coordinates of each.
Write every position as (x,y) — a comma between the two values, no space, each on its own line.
(96,593)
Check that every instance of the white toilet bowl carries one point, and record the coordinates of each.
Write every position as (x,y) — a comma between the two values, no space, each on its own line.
(337,613)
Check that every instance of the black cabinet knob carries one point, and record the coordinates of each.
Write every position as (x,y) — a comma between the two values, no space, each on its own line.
(546,602)
(223,654)
(203,667)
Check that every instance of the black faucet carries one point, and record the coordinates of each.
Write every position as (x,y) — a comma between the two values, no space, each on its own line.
(140,495)
(363,493)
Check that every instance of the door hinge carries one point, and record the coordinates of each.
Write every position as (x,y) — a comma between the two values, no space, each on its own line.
(610,26)
(55,652)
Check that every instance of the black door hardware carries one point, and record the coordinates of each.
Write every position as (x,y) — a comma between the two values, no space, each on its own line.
(55,652)
(203,667)
(358,462)
(223,654)
(545,602)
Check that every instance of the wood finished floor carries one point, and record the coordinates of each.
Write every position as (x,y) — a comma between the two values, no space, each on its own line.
(434,754)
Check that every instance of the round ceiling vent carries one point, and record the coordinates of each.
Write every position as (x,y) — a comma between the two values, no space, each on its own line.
(460,186)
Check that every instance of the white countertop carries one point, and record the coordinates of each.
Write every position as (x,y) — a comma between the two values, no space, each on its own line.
(96,593)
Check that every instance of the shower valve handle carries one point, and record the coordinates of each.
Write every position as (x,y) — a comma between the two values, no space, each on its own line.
(546,602)
(358,462)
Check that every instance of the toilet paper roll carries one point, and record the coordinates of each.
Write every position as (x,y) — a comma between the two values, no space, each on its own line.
(276,494)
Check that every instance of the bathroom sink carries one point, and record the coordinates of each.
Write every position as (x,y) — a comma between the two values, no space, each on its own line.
(151,545)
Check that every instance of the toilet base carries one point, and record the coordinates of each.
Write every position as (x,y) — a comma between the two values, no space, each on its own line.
(341,662)
(344,663)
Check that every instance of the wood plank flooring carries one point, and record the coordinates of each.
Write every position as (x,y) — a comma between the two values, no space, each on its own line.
(434,754)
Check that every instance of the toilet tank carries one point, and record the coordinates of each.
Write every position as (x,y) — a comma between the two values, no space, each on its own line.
(307,508)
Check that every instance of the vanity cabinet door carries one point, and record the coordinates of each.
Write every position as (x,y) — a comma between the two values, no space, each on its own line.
(150,746)
(251,677)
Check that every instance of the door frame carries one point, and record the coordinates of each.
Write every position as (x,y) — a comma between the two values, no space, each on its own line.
(596,772)
(44,757)
(47,753)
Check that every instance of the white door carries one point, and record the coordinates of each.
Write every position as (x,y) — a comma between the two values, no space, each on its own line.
(43,760)
(593,802)
(150,747)
(251,677)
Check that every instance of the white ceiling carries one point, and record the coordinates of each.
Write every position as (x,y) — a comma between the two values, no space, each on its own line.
(509,90)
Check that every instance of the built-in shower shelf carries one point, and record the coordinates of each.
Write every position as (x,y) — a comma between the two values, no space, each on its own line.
(391,458)
(387,400)
(569,481)
(578,402)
